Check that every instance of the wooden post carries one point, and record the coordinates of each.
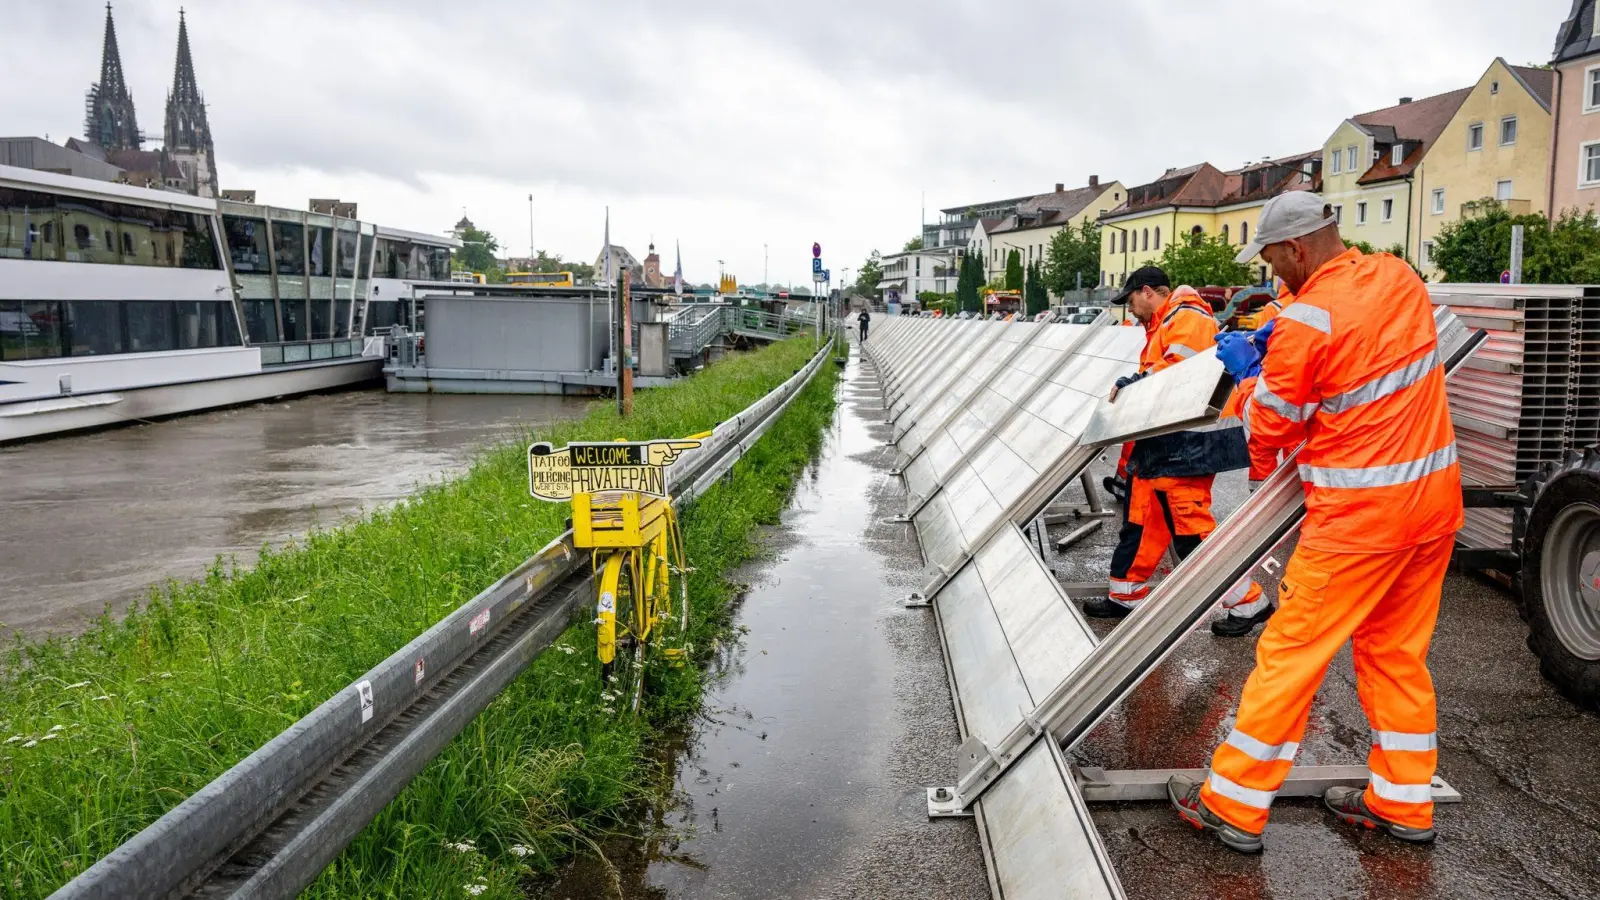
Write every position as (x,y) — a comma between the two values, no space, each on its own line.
(624,321)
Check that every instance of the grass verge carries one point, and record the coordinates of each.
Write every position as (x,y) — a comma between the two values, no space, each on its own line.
(106,732)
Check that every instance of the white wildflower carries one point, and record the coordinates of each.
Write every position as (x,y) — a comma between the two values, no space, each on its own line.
(166,674)
(73,687)
(50,737)
(473,890)
(519,851)
(14,738)
(567,649)
(56,728)
(608,710)
(31,744)
(102,697)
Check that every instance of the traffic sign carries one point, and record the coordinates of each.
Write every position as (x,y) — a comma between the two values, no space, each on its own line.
(816,265)
(816,250)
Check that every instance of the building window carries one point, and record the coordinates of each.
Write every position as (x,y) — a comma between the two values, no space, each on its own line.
(1438,201)
(1475,136)
(1224,232)
(1338,214)
(1144,239)
(1427,253)
(1124,242)
(1361,213)
(1591,80)
(1158,237)
(1397,154)
(1508,131)
(1350,158)
(1244,232)
(1589,164)
(1388,209)
(1494,87)
(1502,190)
(1336,162)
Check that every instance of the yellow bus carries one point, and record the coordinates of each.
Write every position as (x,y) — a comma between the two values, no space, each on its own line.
(540,279)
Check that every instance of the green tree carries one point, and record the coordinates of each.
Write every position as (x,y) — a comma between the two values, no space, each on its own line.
(1478,248)
(1073,253)
(1035,296)
(913,244)
(1198,260)
(868,276)
(477,254)
(935,300)
(968,285)
(1014,270)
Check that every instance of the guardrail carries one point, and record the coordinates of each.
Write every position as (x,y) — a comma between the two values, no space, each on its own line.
(287,354)
(266,827)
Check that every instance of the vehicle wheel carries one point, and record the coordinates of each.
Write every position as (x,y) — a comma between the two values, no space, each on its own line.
(1561,577)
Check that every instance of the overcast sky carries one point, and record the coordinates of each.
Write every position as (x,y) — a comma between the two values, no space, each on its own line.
(727,124)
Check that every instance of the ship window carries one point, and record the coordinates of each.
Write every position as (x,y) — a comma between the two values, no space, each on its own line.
(321,252)
(94,327)
(247,243)
(289,246)
(261,321)
(152,326)
(203,324)
(347,254)
(29,329)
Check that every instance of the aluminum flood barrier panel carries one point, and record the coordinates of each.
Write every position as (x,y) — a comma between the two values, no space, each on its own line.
(1117,665)
(914,401)
(920,379)
(943,339)
(913,433)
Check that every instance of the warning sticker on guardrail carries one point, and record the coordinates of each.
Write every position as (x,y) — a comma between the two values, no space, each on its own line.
(586,468)
(364,689)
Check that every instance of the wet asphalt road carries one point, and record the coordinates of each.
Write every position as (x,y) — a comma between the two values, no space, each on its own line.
(1526,761)
(804,777)
(96,519)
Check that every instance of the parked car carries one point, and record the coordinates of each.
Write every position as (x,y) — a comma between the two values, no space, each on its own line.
(1083,318)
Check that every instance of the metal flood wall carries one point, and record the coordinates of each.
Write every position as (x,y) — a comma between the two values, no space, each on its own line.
(515,335)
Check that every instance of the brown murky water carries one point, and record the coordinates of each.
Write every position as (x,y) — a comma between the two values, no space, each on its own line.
(97,519)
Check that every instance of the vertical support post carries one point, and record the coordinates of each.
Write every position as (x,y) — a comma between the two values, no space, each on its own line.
(1516,254)
(625,350)
(1091,493)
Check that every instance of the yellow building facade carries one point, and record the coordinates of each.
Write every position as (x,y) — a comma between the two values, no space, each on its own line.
(1497,146)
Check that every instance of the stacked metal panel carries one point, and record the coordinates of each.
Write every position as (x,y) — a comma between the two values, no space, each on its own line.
(915,428)
(1530,395)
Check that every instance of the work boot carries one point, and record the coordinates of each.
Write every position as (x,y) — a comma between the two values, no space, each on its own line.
(1231,625)
(1350,805)
(1184,792)
(1105,608)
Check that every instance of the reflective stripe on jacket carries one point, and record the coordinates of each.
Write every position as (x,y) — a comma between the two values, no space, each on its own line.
(1354,372)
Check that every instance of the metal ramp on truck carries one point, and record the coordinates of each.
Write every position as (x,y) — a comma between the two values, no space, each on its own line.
(1028,677)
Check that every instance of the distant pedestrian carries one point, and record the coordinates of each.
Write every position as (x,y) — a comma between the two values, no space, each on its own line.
(864,320)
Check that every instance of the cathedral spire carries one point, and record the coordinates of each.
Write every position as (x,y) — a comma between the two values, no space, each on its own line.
(109,119)
(187,135)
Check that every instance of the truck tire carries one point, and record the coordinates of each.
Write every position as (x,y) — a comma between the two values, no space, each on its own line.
(1561,576)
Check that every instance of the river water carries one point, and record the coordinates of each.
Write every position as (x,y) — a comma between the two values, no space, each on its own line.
(96,519)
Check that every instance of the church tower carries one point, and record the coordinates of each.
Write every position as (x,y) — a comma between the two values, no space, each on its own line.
(191,158)
(109,120)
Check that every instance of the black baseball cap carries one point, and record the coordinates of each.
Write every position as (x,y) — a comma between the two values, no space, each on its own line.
(1142,277)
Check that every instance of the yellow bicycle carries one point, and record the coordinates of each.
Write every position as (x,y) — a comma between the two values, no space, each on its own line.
(636,547)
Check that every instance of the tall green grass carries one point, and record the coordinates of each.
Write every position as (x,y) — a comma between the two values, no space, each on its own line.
(102,734)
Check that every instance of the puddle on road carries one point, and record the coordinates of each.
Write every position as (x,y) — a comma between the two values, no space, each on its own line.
(783,783)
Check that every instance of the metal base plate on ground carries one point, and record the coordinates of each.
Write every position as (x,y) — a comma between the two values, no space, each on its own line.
(1130,785)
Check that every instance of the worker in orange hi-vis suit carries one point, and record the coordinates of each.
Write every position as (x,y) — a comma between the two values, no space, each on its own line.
(1353,371)
(1170,477)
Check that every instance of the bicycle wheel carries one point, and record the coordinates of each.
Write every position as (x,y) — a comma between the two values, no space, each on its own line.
(621,647)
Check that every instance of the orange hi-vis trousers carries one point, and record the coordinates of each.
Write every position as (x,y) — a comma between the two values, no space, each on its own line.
(1165,512)
(1385,604)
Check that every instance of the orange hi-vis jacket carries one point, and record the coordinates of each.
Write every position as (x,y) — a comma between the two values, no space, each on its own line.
(1182,327)
(1354,372)
(1263,459)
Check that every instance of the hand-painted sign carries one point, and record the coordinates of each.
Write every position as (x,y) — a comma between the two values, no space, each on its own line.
(585,468)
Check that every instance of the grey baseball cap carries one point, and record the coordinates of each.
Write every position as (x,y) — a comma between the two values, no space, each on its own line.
(1287,216)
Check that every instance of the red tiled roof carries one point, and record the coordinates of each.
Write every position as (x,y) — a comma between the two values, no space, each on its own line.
(1541,82)
(1419,121)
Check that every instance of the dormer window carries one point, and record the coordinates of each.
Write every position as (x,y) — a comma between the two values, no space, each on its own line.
(1397,155)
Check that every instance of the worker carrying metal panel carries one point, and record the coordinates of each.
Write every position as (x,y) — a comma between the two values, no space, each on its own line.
(1170,476)
(1353,372)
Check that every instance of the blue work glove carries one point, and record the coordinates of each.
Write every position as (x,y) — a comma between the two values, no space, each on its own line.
(1126,380)
(1260,335)
(1238,354)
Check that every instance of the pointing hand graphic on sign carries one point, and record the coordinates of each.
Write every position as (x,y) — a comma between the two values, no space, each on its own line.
(665,453)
